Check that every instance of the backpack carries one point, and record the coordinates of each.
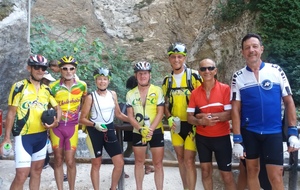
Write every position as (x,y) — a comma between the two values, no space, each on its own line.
(188,81)
(190,87)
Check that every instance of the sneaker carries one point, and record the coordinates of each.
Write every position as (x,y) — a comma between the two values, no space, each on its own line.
(65,177)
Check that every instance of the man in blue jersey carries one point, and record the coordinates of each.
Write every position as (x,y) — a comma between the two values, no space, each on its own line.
(257,91)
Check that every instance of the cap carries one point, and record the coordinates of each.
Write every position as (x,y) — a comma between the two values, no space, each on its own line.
(48,76)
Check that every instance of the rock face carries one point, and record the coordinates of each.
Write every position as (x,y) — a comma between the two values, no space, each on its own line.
(14,47)
(144,28)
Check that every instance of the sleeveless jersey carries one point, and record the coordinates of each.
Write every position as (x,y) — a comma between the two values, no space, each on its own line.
(260,100)
(69,100)
(103,108)
(154,98)
(30,106)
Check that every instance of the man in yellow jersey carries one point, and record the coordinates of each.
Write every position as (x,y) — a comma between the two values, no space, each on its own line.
(68,92)
(177,90)
(27,101)
(145,109)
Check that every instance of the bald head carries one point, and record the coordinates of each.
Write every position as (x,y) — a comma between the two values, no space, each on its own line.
(207,61)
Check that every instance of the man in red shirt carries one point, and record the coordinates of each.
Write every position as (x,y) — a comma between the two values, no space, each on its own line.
(213,129)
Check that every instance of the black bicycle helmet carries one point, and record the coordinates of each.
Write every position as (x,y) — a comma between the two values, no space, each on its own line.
(67,60)
(48,116)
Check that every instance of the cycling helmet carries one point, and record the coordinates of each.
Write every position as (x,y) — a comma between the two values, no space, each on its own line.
(37,60)
(67,60)
(102,72)
(142,66)
(177,48)
(48,116)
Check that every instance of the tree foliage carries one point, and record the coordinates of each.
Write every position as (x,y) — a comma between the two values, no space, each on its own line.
(89,55)
(279,26)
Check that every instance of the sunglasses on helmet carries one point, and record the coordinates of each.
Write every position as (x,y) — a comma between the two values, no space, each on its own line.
(38,67)
(175,48)
(206,68)
(104,72)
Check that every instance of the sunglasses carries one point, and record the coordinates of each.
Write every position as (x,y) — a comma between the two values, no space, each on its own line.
(66,68)
(208,68)
(177,48)
(38,67)
(104,72)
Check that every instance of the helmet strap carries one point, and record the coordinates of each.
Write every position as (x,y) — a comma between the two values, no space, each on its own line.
(32,77)
(178,69)
(102,90)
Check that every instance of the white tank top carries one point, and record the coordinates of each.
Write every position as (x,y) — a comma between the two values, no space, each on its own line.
(103,108)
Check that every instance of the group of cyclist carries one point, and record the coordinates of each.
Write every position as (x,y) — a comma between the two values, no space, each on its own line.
(203,105)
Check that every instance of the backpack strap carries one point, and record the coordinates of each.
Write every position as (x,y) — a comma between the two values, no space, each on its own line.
(170,83)
(189,79)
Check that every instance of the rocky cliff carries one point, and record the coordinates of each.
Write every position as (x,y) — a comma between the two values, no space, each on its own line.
(14,45)
(145,28)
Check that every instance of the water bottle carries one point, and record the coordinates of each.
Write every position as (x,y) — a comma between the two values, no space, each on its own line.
(178,124)
(7,147)
(49,146)
(147,121)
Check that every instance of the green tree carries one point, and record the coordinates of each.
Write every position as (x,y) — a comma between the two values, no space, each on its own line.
(89,55)
(279,23)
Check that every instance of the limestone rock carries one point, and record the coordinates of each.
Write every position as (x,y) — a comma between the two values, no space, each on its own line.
(14,48)
(144,28)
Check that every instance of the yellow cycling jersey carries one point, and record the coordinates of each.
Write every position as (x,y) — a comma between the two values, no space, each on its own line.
(178,97)
(69,100)
(30,106)
(154,99)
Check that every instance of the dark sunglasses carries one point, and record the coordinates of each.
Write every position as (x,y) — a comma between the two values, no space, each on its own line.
(38,67)
(204,68)
(66,68)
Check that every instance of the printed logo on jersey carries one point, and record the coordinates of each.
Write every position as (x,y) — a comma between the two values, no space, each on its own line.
(235,75)
(267,84)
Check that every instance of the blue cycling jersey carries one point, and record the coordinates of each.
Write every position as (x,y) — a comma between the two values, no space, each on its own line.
(260,100)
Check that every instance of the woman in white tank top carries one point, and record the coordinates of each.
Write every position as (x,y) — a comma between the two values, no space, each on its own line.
(98,112)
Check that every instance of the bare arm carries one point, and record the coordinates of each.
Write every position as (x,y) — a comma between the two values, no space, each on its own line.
(131,118)
(166,108)
(223,116)
(10,117)
(203,119)
(158,117)
(290,110)
(236,116)
(85,110)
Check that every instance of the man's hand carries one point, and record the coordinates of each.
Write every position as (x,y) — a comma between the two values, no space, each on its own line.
(294,143)
(238,150)
(52,125)
(100,127)
(171,121)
